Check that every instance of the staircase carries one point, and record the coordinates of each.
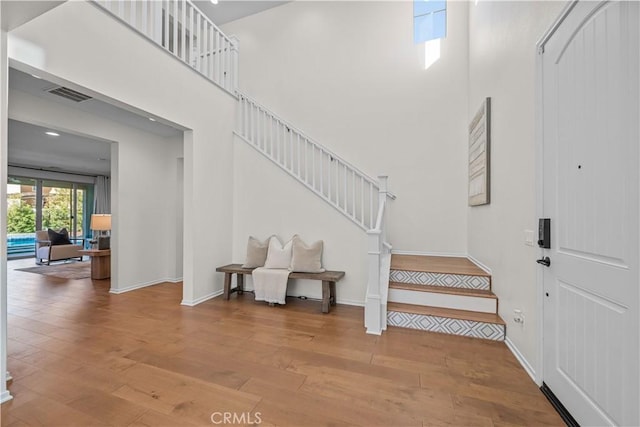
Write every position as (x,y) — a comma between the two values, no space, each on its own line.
(438,294)
(180,28)
(443,294)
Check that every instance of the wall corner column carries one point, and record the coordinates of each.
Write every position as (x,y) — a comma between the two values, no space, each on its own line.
(188,272)
(4,122)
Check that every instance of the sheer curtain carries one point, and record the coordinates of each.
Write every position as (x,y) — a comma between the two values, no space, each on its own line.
(102,196)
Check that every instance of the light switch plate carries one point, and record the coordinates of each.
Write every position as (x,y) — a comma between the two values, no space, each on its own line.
(528,237)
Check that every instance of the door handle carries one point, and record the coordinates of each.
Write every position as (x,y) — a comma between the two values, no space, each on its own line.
(546,261)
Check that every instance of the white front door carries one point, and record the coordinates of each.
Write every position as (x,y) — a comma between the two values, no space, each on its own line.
(590,193)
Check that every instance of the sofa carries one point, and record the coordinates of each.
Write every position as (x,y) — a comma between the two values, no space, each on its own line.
(51,247)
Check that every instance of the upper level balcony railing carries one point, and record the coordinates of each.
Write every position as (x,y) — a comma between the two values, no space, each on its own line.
(180,28)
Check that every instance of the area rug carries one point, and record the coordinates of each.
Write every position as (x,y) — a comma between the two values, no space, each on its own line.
(68,270)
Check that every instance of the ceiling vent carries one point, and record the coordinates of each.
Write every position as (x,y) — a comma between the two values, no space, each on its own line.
(71,94)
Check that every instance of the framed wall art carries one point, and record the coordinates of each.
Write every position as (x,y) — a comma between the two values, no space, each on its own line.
(479,155)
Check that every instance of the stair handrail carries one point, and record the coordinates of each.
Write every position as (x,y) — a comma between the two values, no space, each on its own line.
(298,131)
(377,249)
(334,179)
(183,30)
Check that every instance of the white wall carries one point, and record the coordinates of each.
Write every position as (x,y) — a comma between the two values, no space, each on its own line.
(144,176)
(502,65)
(349,75)
(98,53)
(146,197)
(268,201)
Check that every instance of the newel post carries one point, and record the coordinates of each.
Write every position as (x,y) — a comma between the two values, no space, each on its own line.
(372,313)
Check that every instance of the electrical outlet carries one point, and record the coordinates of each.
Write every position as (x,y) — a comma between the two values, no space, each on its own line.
(528,237)
(518,316)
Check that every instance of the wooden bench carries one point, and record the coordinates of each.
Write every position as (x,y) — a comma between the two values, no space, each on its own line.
(328,278)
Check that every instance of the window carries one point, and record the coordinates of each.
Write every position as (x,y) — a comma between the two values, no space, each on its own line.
(36,204)
(429,26)
(429,20)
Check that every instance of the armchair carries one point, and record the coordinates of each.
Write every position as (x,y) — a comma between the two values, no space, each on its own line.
(47,252)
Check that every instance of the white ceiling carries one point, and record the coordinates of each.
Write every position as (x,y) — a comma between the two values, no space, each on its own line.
(230,10)
(30,147)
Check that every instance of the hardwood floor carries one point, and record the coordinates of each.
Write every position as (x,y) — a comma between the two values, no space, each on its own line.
(81,356)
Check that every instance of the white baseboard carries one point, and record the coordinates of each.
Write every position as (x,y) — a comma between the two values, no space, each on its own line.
(350,302)
(202,299)
(137,286)
(523,361)
(479,264)
(338,301)
(313,297)
(318,298)
(176,280)
(447,254)
(9,377)
(5,396)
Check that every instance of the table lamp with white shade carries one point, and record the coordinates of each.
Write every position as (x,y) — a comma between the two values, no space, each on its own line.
(102,223)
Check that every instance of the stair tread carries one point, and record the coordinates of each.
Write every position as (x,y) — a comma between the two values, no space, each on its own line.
(480,293)
(436,264)
(446,312)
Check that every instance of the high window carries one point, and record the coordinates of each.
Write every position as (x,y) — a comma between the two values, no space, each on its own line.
(429,26)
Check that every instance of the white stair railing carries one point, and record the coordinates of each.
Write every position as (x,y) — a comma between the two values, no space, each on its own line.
(379,261)
(179,27)
(356,195)
(350,191)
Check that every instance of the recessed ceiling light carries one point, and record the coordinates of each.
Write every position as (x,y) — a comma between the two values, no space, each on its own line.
(37,77)
(152,119)
(214,1)
(52,133)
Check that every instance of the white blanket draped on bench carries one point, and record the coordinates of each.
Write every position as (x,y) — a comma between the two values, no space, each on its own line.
(270,284)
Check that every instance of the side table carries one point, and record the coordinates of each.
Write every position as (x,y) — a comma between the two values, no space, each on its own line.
(100,263)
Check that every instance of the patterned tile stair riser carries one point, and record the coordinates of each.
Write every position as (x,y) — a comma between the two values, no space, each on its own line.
(467,328)
(440,279)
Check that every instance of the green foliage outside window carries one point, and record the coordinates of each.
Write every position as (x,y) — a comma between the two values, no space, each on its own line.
(55,209)
(21,218)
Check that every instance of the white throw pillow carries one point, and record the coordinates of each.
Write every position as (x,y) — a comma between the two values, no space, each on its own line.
(306,258)
(256,252)
(278,255)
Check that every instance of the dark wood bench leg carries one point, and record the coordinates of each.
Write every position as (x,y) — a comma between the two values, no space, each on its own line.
(240,279)
(227,285)
(332,293)
(326,294)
